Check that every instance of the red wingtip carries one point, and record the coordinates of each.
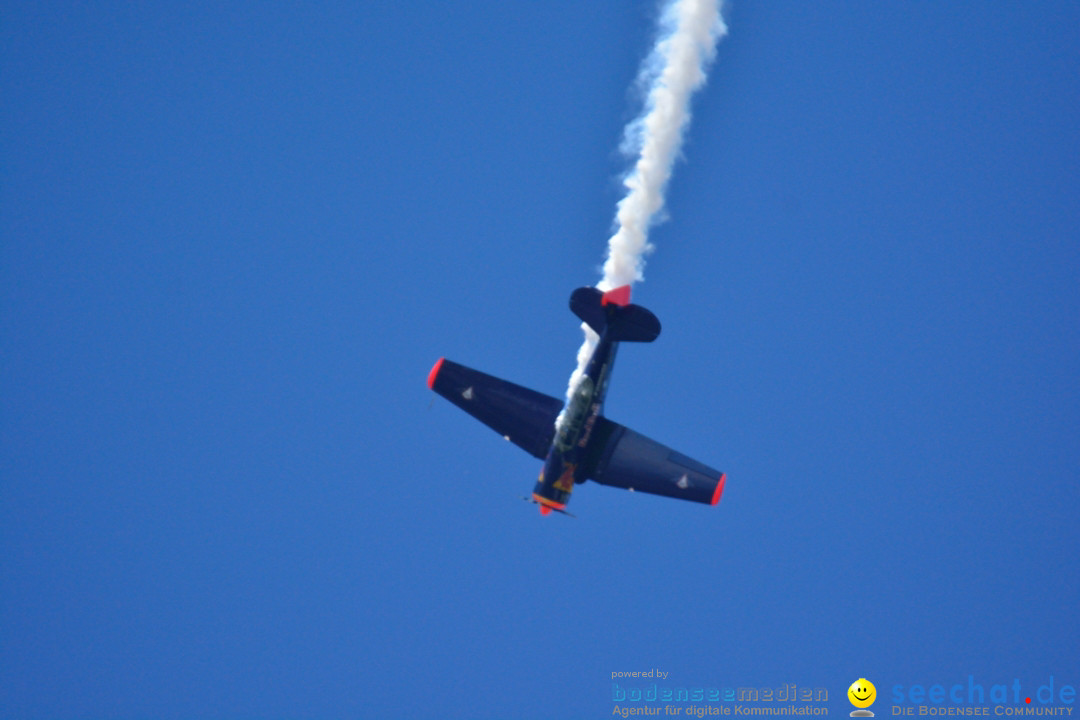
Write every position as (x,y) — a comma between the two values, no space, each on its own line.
(545,510)
(719,489)
(618,296)
(434,373)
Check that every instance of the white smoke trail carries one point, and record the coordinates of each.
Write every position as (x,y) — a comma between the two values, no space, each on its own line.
(674,69)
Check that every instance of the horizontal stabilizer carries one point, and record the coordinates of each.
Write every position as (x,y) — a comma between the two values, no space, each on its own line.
(623,322)
(633,323)
(522,416)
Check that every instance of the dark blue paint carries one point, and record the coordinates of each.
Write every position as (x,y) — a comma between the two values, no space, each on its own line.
(586,445)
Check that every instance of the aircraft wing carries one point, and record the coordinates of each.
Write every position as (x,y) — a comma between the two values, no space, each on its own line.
(523,416)
(632,461)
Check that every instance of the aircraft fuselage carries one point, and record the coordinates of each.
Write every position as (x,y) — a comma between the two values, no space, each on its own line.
(571,450)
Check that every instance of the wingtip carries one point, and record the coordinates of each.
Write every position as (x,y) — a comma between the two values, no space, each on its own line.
(719,489)
(434,373)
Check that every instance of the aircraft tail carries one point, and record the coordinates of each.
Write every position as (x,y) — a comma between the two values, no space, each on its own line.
(611,312)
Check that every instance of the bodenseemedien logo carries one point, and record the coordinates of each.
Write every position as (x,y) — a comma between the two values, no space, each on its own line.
(862,694)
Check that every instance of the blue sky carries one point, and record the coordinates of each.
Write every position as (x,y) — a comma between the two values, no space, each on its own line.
(234,239)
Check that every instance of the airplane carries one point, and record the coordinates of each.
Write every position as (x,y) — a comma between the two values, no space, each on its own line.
(584,445)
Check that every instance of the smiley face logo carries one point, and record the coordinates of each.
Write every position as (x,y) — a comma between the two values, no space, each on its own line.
(862,693)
